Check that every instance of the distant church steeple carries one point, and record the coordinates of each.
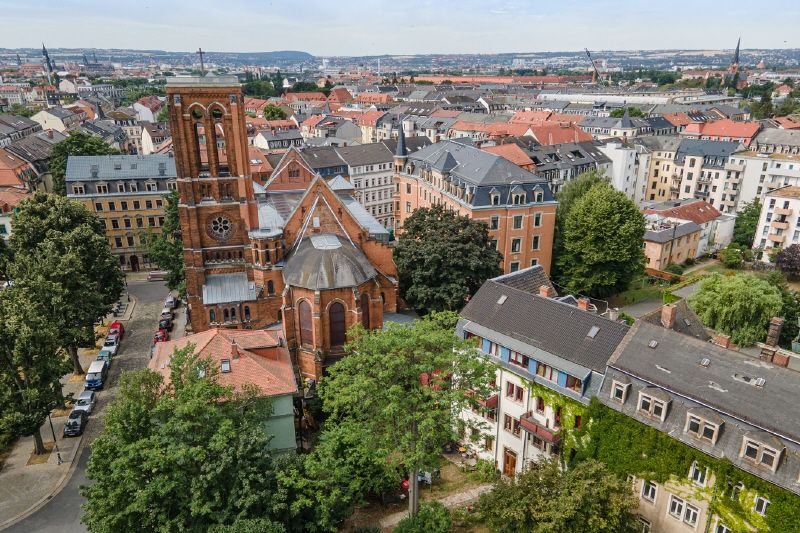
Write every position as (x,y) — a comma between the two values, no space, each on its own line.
(734,68)
(401,153)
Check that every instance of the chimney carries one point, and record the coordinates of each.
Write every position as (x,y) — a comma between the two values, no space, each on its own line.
(668,314)
(234,349)
(583,303)
(774,331)
(49,134)
(546,291)
(720,339)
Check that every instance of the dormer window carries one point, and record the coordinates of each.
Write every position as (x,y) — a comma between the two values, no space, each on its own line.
(102,188)
(703,425)
(619,391)
(78,189)
(495,199)
(653,403)
(151,186)
(759,453)
(120,187)
(518,198)
(132,187)
(538,196)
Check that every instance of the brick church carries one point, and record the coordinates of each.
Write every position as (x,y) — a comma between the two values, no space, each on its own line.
(294,249)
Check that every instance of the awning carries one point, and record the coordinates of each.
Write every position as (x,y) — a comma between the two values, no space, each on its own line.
(534,428)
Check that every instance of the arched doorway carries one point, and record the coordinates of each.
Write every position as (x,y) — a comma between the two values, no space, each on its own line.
(337,324)
(134,263)
(365,310)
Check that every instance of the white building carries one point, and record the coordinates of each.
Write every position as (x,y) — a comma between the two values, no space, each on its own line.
(766,172)
(779,223)
(371,171)
(625,170)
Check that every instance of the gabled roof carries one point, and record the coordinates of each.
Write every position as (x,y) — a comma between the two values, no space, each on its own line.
(697,211)
(512,152)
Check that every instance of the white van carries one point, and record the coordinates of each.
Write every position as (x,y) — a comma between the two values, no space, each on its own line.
(96,376)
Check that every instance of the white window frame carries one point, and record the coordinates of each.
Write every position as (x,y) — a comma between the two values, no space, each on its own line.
(624,387)
(703,424)
(698,474)
(679,503)
(654,402)
(645,493)
(688,511)
(722,528)
(761,448)
(763,503)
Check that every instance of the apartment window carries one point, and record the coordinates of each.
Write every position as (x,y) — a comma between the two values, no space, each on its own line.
(78,189)
(701,429)
(619,391)
(148,204)
(540,405)
(686,189)
(534,262)
(511,425)
(495,199)
(120,187)
(537,220)
(136,204)
(516,358)
(118,242)
(112,206)
(408,188)
(494,222)
(644,524)
(408,207)
(538,196)
(698,474)
(676,506)
(488,444)
(535,242)
(516,244)
(98,206)
(518,222)
(139,222)
(151,221)
(133,187)
(294,173)
(514,266)
(649,491)
(691,514)
(536,442)
(760,453)
(172,186)
(652,407)
(130,241)
(159,204)
(515,392)
(126,222)
(151,187)
(123,206)
(761,505)
(722,528)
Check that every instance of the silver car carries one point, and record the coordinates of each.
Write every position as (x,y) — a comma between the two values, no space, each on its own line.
(111,344)
(85,402)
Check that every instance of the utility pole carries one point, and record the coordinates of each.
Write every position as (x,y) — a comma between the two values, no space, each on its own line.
(202,65)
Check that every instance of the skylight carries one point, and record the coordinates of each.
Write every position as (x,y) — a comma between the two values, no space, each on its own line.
(502,299)
(593,332)
(225,366)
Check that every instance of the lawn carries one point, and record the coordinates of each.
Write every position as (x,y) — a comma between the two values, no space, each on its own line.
(639,290)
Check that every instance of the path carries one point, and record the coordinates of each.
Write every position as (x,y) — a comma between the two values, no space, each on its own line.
(453,500)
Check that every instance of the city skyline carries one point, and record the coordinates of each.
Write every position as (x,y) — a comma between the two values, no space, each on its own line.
(409,28)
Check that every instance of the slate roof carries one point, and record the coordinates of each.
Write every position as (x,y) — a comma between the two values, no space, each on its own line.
(79,168)
(528,279)
(365,154)
(228,288)
(667,143)
(544,324)
(686,321)
(707,149)
(327,261)
(665,235)
(412,143)
(321,157)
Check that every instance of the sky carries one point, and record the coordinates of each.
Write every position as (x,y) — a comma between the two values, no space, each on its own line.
(372,27)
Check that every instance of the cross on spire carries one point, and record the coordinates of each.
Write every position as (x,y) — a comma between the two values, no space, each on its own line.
(202,65)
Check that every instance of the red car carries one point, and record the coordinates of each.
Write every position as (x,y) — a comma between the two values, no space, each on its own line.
(116,328)
(161,336)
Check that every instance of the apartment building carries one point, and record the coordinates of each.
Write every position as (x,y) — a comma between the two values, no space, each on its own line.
(704,170)
(562,346)
(765,172)
(777,141)
(518,206)
(658,183)
(716,229)
(669,241)
(127,194)
(625,166)
(371,171)
(561,163)
(779,223)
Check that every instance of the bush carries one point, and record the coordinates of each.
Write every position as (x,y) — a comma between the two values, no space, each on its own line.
(433,517)
(675,268)
(485,471)
(625,317)
(731,256)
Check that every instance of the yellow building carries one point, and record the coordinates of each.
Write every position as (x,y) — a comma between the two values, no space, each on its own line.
(127,194)
(667,242)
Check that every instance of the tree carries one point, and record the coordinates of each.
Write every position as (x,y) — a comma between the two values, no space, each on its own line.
(632,112)
(182,456)
(274,112)
(763,108)
(731,256)
(77,143)
(163,114)
(744,229)
(6,258)
(603,234)
(545,498)
(790,311)
(31,361)
(787,107)
(739,306)
(788,260)
(443,258)
(401,387)
(21,110)
(60,241)
(305,87)
(433,517)
(166,248)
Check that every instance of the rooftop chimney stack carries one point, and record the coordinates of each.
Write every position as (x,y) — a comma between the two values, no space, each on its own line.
(546,291)
(583,303)
(774,332)
(722,340)
(668,314)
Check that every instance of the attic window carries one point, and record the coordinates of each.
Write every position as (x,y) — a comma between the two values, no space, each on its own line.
(502,299)
(225,366)
(593,332)
(652,344)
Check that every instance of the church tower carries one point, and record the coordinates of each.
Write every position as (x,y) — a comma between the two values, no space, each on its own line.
(217,206)
(734,66)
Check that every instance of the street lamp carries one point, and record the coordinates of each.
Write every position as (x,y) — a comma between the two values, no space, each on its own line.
(55,444)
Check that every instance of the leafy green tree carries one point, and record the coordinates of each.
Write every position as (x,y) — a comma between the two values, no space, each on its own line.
(567,197)
(603,234)
(433,517)
(744,229)
(77,143)
(548,499)
(274,112)
(166,248)
(443,258)
(790,311)
(731,256)
(6,258)
(401,387)
(305,87)
(259,88)
(740,306)
(163,114)
(764,107)
(21,110)
(182,456)
(632,112)
(60,241)
(787,107)
(31,361)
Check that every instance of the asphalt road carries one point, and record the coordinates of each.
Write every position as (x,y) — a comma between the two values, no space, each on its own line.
(63,512)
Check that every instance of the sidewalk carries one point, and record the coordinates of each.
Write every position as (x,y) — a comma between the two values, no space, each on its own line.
(453,500)
(24,488)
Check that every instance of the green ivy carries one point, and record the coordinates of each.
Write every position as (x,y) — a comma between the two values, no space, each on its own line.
(627,446)
(569,410)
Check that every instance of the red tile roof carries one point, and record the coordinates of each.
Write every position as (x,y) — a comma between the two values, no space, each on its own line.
(678,119)
(698,212)
(11,197)
(559,132)
(725,129)
(787,123)
(340,95)
(512,152)
(256,358)
(312,96)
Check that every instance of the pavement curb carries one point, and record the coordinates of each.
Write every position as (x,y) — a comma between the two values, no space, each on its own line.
(65,477)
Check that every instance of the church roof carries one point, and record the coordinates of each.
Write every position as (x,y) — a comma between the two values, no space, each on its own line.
(228,288)
(327,261)
(340,184)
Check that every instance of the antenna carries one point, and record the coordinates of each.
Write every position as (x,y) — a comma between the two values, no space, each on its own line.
(202,65)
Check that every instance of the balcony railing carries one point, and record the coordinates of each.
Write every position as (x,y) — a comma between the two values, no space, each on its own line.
(776,238)
(530,425)
(779,224)
(782,211)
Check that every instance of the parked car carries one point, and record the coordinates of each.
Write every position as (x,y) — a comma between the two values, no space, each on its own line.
(96,376)
(171,302)
(85,402)
(75,424)
(105,355)
(166,313)
(165,323)
(161,336)
(116,328)
(111,344)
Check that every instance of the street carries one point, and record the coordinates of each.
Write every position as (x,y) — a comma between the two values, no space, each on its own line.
(62,513)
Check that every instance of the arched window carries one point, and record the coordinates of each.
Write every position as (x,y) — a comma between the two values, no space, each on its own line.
(212,315)
(247,312)
(233,313)
(337,324)
(226,315)
(270,287)
(365,310)
(306,323)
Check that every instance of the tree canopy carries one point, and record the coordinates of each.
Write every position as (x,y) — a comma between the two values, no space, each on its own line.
(632,112)
(166,248)
(788,260)
(399,388)
(59,241)
(548,499)
(185,456)
(744,229)
(77,143)
(443,258)
(274,112)
(740,306)
(602,243)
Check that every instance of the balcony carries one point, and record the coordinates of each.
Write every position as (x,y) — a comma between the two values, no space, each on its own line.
(701,194)
(776,238)
(779,224)
(530,425)
(782,211)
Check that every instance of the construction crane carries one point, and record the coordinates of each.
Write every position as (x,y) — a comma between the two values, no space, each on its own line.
(595,73)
